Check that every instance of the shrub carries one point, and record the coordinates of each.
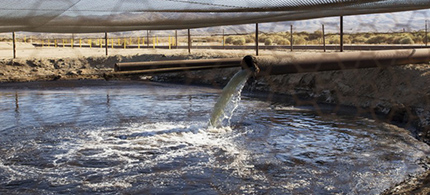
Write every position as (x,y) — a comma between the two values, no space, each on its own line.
(315,35)
(262,38)
(229,40)
(359,39)
(283,41)
(406,40)
(249,39)
(268,41)
(418,39)
(378,39)
(333,39)
(239,41)
(299,40)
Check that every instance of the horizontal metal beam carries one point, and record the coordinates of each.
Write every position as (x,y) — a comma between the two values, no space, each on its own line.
(316,62)
(185,64)
(268,47)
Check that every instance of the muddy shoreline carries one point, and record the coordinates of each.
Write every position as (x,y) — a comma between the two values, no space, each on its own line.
(401,94)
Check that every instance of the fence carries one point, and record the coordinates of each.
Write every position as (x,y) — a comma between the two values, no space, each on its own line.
(187,39)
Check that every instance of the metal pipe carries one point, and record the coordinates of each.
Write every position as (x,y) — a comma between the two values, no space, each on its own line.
(132,66)
(316,62)
(169,69)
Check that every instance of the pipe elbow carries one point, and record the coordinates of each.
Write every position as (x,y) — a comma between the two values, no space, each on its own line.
(248,63)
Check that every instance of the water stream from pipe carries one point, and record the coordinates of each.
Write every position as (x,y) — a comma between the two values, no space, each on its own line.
(229,99)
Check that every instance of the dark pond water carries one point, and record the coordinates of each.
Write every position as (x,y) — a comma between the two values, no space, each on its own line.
(86,137)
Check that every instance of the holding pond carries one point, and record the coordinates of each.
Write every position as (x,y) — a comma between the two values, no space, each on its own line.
(138,137)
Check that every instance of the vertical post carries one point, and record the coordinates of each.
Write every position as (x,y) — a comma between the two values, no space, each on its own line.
(426,35)
(223,39)
(291,37)
(341,33)
(147,38)
(14,44)
(170,42)
(256,39)
(72,40)
(176,39)
(323,38)
(106,43)
(189,41)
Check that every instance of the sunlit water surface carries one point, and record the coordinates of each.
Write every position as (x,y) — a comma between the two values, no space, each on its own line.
(108,137)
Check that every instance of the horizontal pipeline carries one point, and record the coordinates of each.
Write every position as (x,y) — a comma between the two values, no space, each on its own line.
(316,62)
(283,64)
(165,70)
(216,63)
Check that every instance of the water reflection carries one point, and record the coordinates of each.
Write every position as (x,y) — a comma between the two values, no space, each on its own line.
(16,102)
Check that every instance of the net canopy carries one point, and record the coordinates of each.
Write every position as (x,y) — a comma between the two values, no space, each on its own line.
(80,16)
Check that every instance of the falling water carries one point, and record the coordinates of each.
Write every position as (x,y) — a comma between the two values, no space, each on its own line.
(229,99)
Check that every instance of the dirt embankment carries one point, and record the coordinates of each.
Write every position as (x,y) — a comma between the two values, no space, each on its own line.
(24,70)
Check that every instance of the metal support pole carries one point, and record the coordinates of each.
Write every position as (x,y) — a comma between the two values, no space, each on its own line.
(147,38)
(291,37)
(426,35)
(323,37)
(176,39)
(341,33)
(189,41)
(14,44)
(106,43)
(73,40)
(223,39)
(256,39)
